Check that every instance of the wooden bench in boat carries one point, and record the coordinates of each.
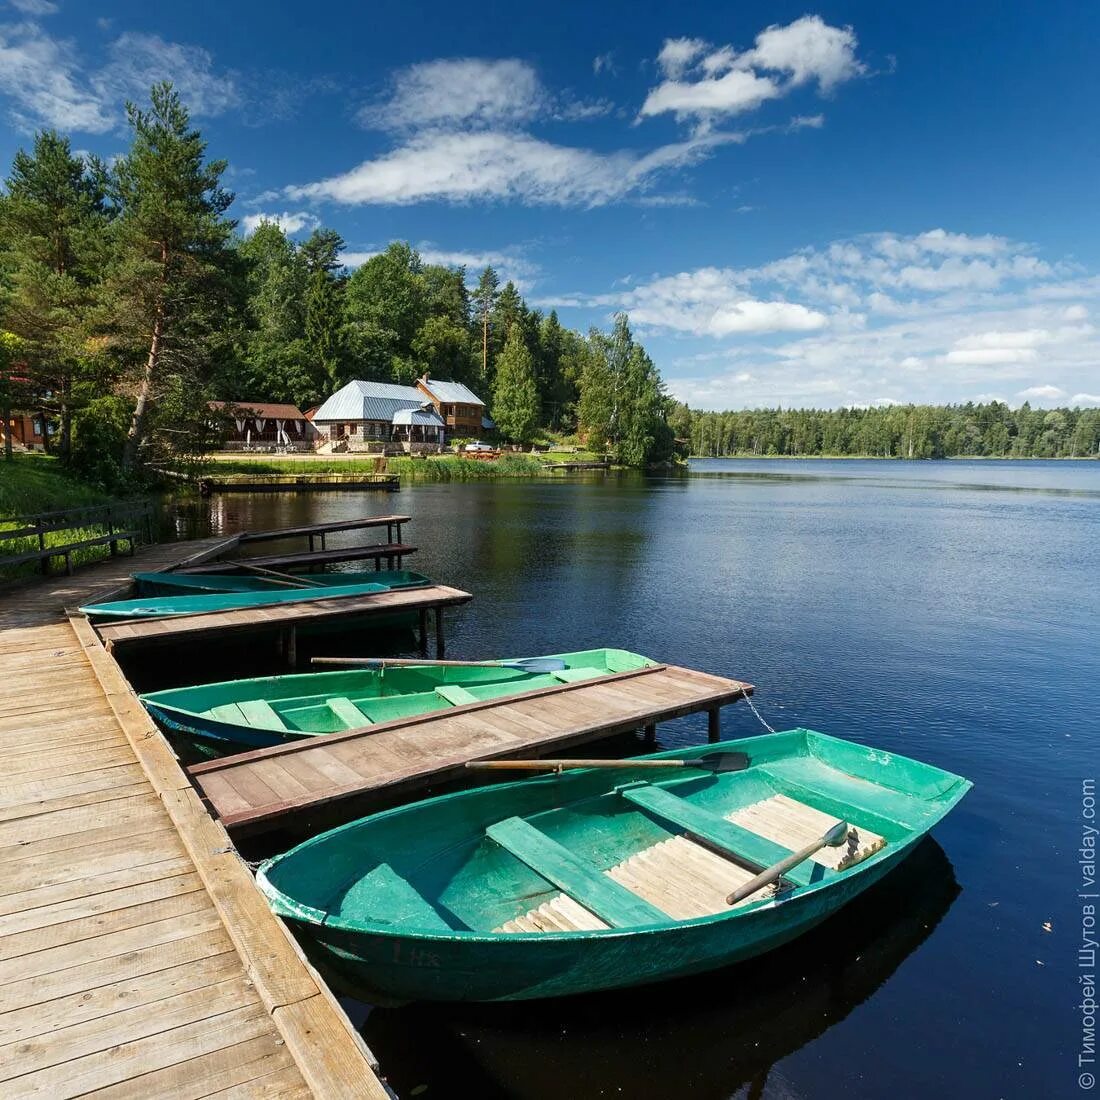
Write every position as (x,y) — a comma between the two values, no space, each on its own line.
(610,901)
(794,824)
(725,834)
(685,879)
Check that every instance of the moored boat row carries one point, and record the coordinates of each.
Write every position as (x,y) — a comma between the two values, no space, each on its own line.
(584,879)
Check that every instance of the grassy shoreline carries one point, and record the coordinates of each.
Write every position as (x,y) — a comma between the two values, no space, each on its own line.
(33,483)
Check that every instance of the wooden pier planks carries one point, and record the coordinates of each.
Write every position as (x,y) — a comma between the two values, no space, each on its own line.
(376,552)
(312,530)
(137,957)
(181,628)
(254,790)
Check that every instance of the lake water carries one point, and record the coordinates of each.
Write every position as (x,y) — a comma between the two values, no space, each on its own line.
(948,611)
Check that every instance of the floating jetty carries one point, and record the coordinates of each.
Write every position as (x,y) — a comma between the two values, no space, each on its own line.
(136,953)
(263,789)
(296,483)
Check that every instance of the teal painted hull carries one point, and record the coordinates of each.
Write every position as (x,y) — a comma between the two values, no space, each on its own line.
(180,584)
(409,904)
(158,606)
(221,718)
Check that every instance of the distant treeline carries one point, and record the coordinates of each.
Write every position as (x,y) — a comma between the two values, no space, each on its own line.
(990,430)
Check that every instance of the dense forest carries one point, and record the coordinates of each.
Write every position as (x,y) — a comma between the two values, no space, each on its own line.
(128,300)
(990,430)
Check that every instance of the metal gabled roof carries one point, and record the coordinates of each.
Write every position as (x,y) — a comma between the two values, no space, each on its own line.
(429,418)
(451,392)
(369,401)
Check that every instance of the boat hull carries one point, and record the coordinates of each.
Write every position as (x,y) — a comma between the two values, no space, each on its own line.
(179,584)
(425,902)
(390,970)
(189,712)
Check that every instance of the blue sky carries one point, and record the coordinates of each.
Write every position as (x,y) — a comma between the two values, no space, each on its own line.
(830,205)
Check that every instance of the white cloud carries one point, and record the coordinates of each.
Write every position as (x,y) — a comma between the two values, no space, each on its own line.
(1079,399)
(605,63)
(705,83)
(677,55)
(42,77)
(47,85)
(467,90)
(289,221)
(1042,393)
(137,61)
(464,167)
(34,8)
(867,318)
(511,265)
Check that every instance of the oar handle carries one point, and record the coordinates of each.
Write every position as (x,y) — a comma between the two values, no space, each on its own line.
(556,765)
(833,838)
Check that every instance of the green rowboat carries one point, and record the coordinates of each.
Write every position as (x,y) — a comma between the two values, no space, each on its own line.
(595,878)
(239,715)
(179,584)
(157,606)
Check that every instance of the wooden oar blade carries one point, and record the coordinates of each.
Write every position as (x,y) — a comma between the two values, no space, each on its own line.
(719,762)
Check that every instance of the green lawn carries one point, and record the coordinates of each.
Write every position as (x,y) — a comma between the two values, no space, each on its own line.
(37,483)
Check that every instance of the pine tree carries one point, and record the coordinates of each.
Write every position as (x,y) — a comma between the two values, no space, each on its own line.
(484,299)
(168,282)
(515,396)
(51,224)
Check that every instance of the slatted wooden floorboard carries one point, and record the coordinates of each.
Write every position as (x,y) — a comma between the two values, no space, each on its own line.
(137,957)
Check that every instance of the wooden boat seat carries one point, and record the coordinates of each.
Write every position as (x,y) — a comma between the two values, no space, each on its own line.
(575,675)
(455,695)
(611,902)
(260,713)
(794,824)
(347,712)
(682,879)
(734,838)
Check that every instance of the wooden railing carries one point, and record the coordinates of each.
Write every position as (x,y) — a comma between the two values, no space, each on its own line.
(43,536)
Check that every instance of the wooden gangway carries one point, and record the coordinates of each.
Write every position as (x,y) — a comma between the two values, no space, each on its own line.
(391,553)
(288,617)
(262,789)
(314,531)
(137,957)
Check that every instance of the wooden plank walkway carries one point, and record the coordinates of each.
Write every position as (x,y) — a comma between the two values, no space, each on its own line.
(390,552)
(137,957)
(257,790)
(315,530)
(181,628)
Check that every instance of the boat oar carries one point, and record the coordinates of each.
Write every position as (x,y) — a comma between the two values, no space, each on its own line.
(526,664)
(282,578)
(717,762)
(834,838)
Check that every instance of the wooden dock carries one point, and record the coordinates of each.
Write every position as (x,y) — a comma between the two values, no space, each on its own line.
(296,483)
(307,559)
(261,789)
(137,957)
(287,618)
(315,531)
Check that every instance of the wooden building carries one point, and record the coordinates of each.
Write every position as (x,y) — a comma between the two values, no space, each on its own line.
(461,410)
(265,425)
(26,429)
